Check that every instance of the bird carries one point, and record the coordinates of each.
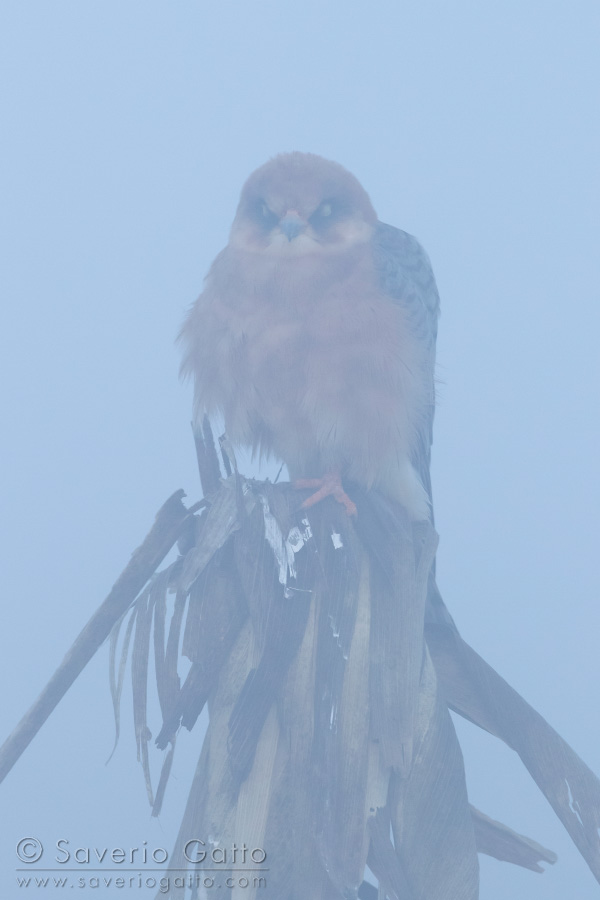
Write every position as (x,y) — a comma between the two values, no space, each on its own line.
(314,336)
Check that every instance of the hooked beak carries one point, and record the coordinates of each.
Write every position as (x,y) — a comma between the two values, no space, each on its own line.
(292,224)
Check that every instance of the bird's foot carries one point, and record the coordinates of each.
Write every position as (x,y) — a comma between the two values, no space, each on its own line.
(330,485)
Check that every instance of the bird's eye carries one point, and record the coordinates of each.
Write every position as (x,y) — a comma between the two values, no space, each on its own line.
(325,214)
(264,215)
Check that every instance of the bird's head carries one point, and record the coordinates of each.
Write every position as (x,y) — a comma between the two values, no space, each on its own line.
(300,203)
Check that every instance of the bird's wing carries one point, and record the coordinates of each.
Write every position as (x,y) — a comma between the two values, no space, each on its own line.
(407,278)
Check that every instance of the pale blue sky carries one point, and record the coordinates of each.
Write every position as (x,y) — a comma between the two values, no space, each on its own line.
(128,129)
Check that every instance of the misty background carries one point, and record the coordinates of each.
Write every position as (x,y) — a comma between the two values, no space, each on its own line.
(128,130)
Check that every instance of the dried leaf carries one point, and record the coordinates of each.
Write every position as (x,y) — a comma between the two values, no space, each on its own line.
(498,840)
(472,688)
(159,588)
(139,681)
(163,780)
(116,681)
(432,825)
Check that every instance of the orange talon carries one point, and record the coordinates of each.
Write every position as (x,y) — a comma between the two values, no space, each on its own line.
(330,485)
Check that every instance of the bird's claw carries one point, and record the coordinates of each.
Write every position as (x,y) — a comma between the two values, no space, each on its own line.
(330,485)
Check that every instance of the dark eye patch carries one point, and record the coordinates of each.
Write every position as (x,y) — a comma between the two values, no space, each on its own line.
(326,213)
(264,215)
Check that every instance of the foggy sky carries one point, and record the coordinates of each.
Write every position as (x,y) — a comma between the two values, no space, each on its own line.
(128,130)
